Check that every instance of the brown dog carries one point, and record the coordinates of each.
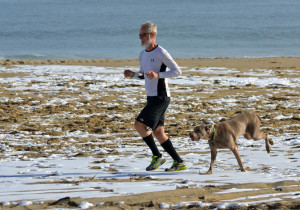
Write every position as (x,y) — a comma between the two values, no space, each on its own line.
(225,134)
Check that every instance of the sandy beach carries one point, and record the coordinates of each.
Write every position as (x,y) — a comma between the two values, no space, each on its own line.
(43,113)
(244,64)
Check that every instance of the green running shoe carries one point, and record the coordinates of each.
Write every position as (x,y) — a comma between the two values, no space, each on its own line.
(155,163)
(177,167)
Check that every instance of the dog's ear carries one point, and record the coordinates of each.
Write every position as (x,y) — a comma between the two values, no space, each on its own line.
(207,128)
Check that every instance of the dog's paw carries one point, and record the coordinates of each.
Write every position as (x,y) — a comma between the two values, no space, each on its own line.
(271,141)
(207,173)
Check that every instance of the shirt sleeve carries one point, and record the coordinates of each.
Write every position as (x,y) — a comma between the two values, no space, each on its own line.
(174,71)
(140,73)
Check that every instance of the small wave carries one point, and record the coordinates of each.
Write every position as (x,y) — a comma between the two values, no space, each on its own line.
(23,57)
(40,56)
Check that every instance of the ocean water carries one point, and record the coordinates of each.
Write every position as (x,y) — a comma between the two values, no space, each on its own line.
(83,29)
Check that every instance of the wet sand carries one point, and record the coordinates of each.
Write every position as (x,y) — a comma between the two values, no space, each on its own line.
(275,63)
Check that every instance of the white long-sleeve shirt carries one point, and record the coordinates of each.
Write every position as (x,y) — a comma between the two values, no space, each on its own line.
(157,60)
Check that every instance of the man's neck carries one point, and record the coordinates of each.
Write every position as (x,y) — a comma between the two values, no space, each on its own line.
(151,46)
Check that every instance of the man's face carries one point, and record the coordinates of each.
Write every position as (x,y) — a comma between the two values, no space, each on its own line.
(145,38)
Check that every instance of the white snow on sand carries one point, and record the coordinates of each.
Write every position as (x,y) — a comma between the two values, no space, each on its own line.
(19,179)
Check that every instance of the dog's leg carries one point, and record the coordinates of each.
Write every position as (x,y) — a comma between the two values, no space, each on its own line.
(213,156)
(267,139)
(268,142)
(238,158)
(256,134)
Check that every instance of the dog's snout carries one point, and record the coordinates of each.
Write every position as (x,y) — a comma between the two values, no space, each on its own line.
(193,136)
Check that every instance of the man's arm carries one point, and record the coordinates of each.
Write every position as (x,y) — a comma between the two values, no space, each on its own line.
(135,75)
(174,71)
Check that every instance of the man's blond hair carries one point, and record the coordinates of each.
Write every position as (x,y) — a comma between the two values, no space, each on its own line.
(149,27)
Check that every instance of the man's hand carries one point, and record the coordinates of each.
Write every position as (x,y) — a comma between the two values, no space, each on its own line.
(128,73)
(152,75)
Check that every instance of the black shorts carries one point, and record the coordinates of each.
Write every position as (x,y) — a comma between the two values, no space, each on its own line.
(153,114)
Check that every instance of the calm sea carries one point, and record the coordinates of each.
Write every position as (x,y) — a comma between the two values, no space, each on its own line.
(82,29)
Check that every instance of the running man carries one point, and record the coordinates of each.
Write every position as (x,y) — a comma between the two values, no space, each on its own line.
(154,61)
